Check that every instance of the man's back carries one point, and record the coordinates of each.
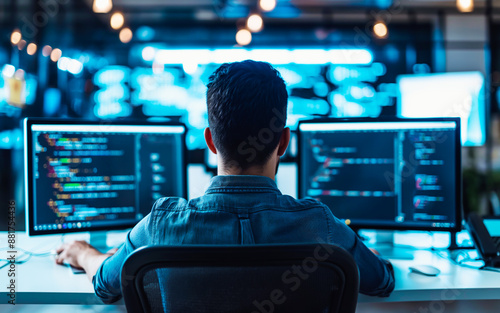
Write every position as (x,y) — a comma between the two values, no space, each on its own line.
(239,210)
(246,106)
(245,210)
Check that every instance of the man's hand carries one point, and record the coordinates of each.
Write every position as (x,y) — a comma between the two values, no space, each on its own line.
(81,254)
(75,253)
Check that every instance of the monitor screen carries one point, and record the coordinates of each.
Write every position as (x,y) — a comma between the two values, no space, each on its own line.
(447,95)
(99,176)
(400,174)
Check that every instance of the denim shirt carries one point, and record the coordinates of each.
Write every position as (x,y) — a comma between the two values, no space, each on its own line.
(243,210)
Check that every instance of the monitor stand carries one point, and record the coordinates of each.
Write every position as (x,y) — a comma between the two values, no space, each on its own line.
(98,240)
(453,241)
(384,244)
(454,245)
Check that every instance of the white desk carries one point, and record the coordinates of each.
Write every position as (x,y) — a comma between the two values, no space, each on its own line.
(41,281)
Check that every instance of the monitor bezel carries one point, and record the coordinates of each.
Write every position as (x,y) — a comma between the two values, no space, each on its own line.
(458,169)
(28,169)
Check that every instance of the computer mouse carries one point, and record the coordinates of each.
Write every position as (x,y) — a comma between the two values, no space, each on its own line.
(427,270)
(75,270)
(55,255)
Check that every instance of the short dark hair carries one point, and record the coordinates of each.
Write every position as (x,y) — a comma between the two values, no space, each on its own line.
(247,104)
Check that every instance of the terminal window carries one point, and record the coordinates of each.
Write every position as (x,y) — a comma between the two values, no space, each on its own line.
(86,177)
(381,174)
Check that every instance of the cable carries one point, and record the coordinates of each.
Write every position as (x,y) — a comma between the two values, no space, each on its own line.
(468,259)
(29,254)
(17,260)
(40,254)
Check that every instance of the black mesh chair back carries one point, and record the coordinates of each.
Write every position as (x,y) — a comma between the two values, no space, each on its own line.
(253,279)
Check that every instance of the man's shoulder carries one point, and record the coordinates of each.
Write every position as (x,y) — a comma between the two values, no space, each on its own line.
(304,203)
(284,202)
(170,203)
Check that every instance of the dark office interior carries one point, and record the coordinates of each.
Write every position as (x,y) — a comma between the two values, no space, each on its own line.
(393,112)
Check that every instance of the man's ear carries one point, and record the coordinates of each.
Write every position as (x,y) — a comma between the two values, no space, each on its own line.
(284,141)
(209,140)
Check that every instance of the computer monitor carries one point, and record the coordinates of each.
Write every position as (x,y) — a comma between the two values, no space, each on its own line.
(458,94)
(90,176)
(384,174)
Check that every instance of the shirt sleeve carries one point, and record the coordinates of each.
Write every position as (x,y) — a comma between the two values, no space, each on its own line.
(375,274)
(106,281)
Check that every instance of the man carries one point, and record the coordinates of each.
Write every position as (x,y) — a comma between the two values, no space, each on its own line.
(247,104)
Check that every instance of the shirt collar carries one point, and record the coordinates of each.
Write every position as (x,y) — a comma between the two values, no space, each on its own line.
(242,184)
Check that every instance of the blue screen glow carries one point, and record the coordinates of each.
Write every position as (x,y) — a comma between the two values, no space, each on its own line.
(447,95)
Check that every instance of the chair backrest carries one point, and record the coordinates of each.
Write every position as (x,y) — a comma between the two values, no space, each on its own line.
(250,278)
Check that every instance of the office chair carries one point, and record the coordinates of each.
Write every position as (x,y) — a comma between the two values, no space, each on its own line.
(251,278)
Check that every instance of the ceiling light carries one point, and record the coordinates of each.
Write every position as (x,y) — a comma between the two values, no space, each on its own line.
(55,54)
(243,37)
(15,37)
(465,5)
(102,6)
(273,56)
(255,23)
(267,5)
(117,20)
(125,35)
(32,48)
(46,50)
(21,44)
(380,30)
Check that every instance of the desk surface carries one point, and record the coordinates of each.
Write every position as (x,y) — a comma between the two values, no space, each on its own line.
(41,281)
(454,283)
